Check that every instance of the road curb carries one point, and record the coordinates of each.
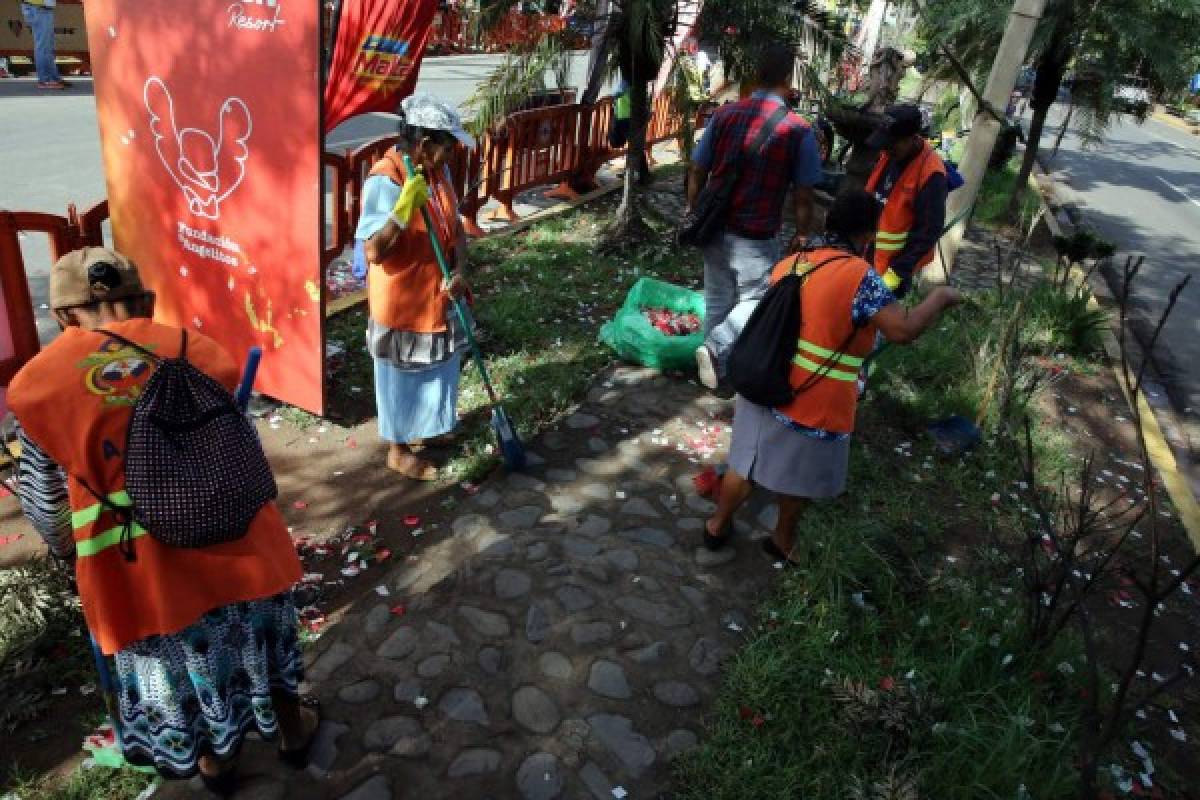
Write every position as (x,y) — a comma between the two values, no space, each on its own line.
(1175,122)
(1161,455)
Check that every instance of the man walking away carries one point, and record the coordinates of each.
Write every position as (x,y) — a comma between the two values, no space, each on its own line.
(738,261)
(910,180)
(39,16)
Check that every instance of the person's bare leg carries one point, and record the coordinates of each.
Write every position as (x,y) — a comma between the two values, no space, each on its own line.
(734,491)
(790,509)
(296,723)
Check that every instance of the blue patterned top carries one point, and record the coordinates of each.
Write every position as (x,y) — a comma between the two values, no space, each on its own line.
(872,296)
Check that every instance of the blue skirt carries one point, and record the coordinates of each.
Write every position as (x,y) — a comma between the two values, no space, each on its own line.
(199,691)
(417,403)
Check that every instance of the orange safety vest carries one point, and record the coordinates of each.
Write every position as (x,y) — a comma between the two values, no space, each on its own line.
(75,400)
(404,292)
(829,350)
(898,212)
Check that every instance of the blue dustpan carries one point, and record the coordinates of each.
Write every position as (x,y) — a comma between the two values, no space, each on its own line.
(954,435)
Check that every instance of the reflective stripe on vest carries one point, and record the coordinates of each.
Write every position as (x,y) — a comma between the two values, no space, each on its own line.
(886,240)
(106,539)
(86,516)
(839,366)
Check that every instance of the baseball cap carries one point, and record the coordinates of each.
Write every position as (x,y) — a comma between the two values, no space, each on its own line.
(426,111)
(93,275)
(901,121)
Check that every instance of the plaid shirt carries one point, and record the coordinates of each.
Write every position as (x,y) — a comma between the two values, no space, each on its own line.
(789,158)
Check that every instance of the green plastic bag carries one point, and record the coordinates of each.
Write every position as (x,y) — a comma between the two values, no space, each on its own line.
(635,339)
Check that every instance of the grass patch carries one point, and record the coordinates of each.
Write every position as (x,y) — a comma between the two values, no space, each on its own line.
(991,208)
(42,647)
(542,295)
(83,784)
(896,665)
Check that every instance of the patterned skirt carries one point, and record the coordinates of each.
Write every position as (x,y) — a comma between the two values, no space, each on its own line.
(200,691)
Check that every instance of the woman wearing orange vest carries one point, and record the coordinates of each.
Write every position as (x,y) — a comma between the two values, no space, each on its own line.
(910,180)
(413,335)
(801,451)
(204,639)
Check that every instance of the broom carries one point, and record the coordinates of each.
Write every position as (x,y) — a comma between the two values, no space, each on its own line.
(506,433)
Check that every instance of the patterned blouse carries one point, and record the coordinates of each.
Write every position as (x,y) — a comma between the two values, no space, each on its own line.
(42,491)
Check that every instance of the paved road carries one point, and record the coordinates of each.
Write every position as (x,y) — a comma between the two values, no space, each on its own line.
(1141,189)
(50,150)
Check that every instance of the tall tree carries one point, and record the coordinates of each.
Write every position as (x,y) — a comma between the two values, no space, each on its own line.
(1100,40)
(631,40)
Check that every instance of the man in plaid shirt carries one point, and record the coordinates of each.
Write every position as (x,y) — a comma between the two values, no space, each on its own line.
(738,262)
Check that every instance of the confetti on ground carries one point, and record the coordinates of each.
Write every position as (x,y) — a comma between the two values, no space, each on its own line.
(672,323)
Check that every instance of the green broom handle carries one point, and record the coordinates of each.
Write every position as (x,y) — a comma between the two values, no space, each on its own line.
(462,314)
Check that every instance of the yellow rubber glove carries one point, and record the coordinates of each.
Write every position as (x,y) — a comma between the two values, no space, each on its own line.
(413,195)
(892,279)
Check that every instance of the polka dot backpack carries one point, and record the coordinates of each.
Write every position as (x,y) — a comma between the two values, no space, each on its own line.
(195,469)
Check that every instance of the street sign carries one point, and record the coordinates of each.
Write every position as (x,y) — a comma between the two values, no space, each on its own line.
(210,130)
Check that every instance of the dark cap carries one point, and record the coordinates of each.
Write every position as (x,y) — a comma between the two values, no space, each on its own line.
(901,121)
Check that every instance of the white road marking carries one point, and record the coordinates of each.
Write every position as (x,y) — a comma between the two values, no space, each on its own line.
(1168,140)
(1186,196)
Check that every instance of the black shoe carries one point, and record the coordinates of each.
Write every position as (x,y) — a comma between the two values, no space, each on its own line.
(720,540)
(297,758)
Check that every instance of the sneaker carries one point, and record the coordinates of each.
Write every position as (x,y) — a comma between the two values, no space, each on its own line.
(706,366)
(52,85)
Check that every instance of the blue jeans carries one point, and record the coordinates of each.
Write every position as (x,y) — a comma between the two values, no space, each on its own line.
(41,23)
(737,274)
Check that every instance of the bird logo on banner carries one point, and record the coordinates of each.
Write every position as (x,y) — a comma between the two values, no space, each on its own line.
(206,169)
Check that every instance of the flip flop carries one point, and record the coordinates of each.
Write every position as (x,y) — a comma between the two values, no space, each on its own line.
(771,549)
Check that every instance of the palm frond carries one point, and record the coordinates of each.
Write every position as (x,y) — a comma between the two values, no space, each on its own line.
(518,77)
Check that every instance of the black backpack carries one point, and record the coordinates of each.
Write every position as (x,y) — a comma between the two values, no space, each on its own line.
(759,366)
(195,470)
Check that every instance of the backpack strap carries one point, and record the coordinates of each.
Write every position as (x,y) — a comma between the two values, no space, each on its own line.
(129,343)
(122,513)
(824,369)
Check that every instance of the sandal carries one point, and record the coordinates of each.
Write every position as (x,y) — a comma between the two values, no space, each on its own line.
(715,542)
(297,757)
(413,468)
(771,549)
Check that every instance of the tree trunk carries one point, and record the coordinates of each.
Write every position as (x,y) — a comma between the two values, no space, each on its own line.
(1063,130)
(598,58)
(1051,66)
(1031,150)
(629,220)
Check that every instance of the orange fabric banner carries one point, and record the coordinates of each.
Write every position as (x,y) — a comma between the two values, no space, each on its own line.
(376,57)
(210,131)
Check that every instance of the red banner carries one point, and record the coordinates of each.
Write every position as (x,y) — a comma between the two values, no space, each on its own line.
(18,334)
(376,57)
(209,126)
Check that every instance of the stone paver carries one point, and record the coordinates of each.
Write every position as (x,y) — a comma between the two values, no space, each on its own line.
(474,761)
(607,679)
(563,632)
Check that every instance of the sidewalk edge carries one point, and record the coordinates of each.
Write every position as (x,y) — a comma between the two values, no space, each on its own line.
(1161,455)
